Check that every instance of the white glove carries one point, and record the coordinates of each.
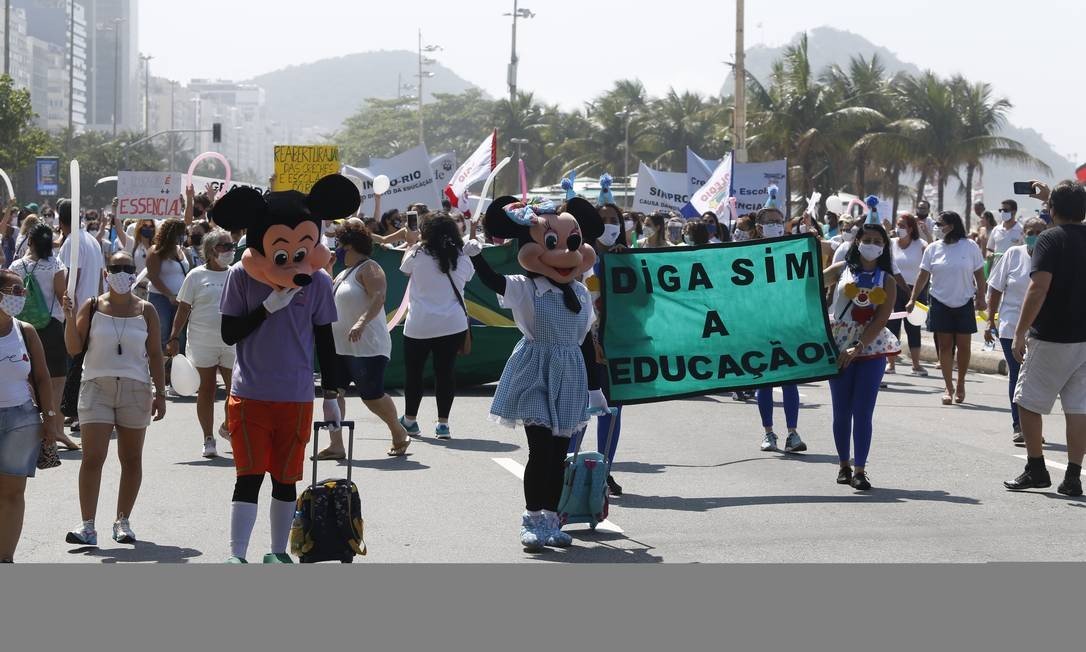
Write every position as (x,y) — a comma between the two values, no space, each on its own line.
(597,402)
(280,299)
(332,413)
(472,248)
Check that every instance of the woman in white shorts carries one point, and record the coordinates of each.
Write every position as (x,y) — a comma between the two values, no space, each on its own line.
(119,333)
(198,307)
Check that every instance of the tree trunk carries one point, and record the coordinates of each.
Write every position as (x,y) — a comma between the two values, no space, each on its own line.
(920,186)
(941,180)
(895,189)
(860,180)
(969,195)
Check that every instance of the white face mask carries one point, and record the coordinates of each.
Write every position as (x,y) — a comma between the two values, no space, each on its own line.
(610,235)
(628,225)
(740,235)
(649,231)
(848,236)
(803,228)
(121,282)
(772,230)
(902,233)
(1005,215)
(11,304)
(871,252)
(225,259)
(688,240)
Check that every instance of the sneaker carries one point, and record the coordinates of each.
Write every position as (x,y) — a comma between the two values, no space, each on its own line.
(1018,437)
(859,482)
(441,431)
(1030,480)
(531,532)
(209,448)
(794,444)
(769,442)
(83,535)
(277,558)
(844,476)
(75,426)
(412,429)
(122,531)
(891,371)
(236,560)
(224,432)
(614,488)
(1070,486)
(922,372)
(554,536)
(170,393)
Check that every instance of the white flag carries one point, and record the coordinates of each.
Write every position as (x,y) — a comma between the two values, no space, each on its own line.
(476,168)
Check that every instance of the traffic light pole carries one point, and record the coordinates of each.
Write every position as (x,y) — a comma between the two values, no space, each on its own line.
(124,149)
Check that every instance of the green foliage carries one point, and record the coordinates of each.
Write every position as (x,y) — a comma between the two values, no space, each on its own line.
(100,155)
(20,141)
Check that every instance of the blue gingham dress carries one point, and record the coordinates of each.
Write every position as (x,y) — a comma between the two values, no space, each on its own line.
(544,382)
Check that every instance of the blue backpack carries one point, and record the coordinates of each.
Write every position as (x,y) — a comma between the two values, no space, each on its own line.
(584,485)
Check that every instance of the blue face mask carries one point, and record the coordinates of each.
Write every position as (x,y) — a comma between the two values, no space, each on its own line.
(711,227)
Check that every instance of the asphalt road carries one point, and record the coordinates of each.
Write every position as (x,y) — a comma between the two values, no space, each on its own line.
(697,489)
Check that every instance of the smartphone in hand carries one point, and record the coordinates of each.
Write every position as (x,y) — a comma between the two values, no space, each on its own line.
(1023,187)
(413,220)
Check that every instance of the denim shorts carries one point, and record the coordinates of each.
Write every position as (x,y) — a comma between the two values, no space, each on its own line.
(20,440)
(367,374)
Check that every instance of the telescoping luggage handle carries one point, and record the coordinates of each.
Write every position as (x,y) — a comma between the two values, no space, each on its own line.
(349,425)
(612,411)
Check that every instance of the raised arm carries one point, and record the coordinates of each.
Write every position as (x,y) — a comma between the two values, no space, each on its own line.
(487,275)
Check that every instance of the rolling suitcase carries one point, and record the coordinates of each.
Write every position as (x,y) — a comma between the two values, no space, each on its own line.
(584,484)
(328,519)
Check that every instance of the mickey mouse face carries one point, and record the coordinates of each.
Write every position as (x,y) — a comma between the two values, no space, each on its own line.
(291,256)
(557,249)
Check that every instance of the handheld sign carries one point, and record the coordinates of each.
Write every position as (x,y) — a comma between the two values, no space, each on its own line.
(76,235)
(206,155)
(7,182)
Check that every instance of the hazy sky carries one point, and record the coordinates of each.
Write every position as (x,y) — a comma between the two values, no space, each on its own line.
(573,49)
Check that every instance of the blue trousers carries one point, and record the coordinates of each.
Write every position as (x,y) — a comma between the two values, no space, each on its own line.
(854,392)
(1013,366)
(791,406)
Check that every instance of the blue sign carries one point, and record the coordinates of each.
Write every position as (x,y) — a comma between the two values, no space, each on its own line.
(48,176)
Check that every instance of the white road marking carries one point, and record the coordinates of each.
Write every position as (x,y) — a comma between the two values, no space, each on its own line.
(1059,466)
(517,469)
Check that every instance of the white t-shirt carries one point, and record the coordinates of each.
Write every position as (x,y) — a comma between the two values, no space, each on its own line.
(908,259)
(44,273)
(91,266)
(952,268)
(1001,239)
(202,289)
(433,309)
(519,298)
(1010,275)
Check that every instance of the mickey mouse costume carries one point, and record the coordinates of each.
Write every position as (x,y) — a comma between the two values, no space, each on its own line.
(545,386)
(277,306)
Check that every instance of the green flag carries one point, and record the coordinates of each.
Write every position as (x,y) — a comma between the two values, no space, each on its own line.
(694,320)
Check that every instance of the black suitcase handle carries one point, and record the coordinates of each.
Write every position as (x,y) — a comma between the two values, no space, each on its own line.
(317,425)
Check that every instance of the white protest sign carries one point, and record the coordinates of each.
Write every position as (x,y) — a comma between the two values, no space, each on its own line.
(443,166)
(750,181)
(411,181)
(699,170)
(159,195)
(713,194)
(660,191)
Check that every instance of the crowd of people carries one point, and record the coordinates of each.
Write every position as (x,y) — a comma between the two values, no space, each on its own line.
(148,291)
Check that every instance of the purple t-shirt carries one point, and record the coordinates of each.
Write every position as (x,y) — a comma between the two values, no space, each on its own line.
(275,362)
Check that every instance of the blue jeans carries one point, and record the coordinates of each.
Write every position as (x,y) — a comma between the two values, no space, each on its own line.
(854,392)
(20,440)
(1013,366)
(791,406)
(166,312)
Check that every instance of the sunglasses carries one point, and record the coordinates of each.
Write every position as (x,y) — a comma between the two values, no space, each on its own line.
(119,269)
(15,291)
(224,247)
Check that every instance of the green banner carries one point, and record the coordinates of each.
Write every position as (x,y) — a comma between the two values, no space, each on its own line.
(693,320)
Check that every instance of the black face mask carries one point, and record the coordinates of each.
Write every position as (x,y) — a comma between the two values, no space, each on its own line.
(197,211)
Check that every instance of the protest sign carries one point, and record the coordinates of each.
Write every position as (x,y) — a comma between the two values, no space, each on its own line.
(411,181)
(750,180)
(660,191)
(713,195)
(688,321)
(298,167)
(158,195)
(443,166)
(698,170)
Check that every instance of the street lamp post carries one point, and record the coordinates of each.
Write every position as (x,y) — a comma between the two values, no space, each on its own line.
(422,75)
(146,58)
(519,142)
(511,77)
(7,37)
(740,86)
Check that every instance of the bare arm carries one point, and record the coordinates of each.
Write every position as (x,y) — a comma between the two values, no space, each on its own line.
(832,274)
(918,289)
(982,288)
(155,361)
(39,373)
(1039,283)
(76,326)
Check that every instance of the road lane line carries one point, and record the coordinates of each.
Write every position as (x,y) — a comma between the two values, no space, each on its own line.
(517,469)
(1062,467)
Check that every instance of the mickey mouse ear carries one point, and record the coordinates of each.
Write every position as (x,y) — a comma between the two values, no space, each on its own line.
(333,197)
(239,209)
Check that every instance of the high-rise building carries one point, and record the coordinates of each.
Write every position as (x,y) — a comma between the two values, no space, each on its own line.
(113,65)
(19,49)
(54,49)
(246,133)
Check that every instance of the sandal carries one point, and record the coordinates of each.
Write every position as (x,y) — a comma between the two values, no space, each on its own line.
(959,397)
(399,450)
(327,454)
(68,446)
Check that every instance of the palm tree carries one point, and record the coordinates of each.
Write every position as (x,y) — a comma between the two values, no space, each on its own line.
(931,101)
(679,121)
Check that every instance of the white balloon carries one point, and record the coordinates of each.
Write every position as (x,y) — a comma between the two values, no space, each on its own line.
(380,184)
(184,378)
(918,316)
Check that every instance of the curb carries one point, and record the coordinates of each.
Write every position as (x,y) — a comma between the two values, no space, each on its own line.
(981,361)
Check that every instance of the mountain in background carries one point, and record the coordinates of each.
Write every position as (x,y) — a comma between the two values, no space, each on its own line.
(827,46)
(319,96)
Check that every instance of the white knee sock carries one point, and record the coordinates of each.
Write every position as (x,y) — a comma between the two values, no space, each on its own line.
(242,520)
(282,515)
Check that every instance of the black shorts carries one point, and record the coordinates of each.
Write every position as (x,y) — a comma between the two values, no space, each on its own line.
(943,319)
(367,374)
(56,355)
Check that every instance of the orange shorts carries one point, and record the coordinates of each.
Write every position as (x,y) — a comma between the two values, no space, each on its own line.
(269,437)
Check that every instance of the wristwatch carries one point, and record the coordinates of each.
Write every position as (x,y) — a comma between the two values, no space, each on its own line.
(50,413)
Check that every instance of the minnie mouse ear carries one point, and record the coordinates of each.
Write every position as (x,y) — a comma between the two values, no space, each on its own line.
(587,217)
(333,197)
(498,224)
(239,209)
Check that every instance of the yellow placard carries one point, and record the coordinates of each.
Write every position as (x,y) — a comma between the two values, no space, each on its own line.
(298,167)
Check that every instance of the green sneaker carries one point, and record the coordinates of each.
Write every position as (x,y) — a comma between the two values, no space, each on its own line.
(412,429)
(277,558)
(236,560)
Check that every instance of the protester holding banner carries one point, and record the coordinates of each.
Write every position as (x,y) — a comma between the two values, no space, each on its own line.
(908,250)
(862,301)
(166,270)
(437,321)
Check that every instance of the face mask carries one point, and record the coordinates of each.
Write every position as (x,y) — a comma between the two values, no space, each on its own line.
(225,259)
(610,235)
(902,233)
(121,282)
(1005,216)
(711,227)
(803,228)
(871,252)
(772,230)
(688,240)
(11,304)
(629,225)
(1031,241)
(147,232)
(741,235)
(848,236)
(649,231)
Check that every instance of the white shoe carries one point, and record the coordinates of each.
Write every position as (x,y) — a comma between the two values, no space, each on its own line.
(209,448)
(122,531)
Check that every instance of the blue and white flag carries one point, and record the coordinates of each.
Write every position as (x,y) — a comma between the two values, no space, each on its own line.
(713,194)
